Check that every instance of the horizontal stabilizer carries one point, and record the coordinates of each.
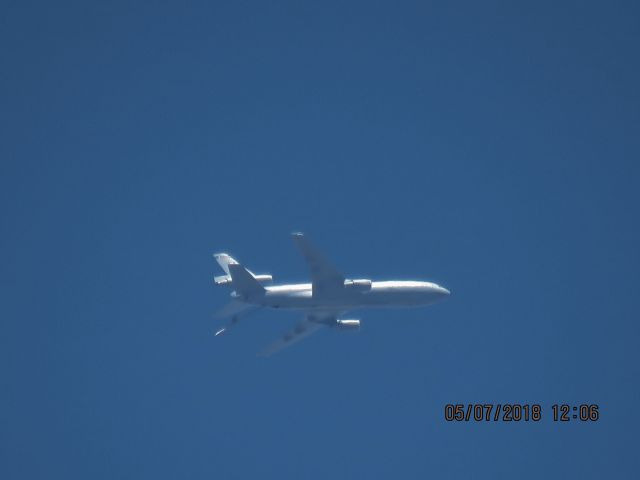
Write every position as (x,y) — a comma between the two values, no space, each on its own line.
(224,260)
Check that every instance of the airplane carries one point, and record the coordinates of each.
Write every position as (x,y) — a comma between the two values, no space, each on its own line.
(323,301)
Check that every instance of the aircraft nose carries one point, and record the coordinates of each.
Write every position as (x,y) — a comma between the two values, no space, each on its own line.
(443,291)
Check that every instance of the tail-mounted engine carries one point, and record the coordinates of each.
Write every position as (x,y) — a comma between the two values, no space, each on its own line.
(226,279)
(263,278)
(348,324)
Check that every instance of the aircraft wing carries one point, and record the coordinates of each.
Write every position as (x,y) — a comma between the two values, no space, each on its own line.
(311,324)
(233,308)
(324,276)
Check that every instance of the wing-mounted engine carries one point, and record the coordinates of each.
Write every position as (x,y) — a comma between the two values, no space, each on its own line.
(347,324)
(359,285)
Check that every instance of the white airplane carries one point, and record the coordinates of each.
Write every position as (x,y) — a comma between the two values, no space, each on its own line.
(327,297)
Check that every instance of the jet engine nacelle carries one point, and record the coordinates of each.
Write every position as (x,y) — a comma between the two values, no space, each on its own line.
(348,324)
(226,279)
(222,280)
(263,278)
(360,285)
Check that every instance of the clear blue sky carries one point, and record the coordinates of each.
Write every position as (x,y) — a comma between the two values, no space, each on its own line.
(489,146)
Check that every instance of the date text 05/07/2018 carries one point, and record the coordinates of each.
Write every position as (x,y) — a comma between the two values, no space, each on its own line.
(519,412)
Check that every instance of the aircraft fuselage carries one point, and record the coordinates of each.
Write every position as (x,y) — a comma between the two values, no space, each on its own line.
(381,294)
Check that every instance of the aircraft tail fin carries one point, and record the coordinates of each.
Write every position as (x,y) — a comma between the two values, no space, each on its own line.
(243,281)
